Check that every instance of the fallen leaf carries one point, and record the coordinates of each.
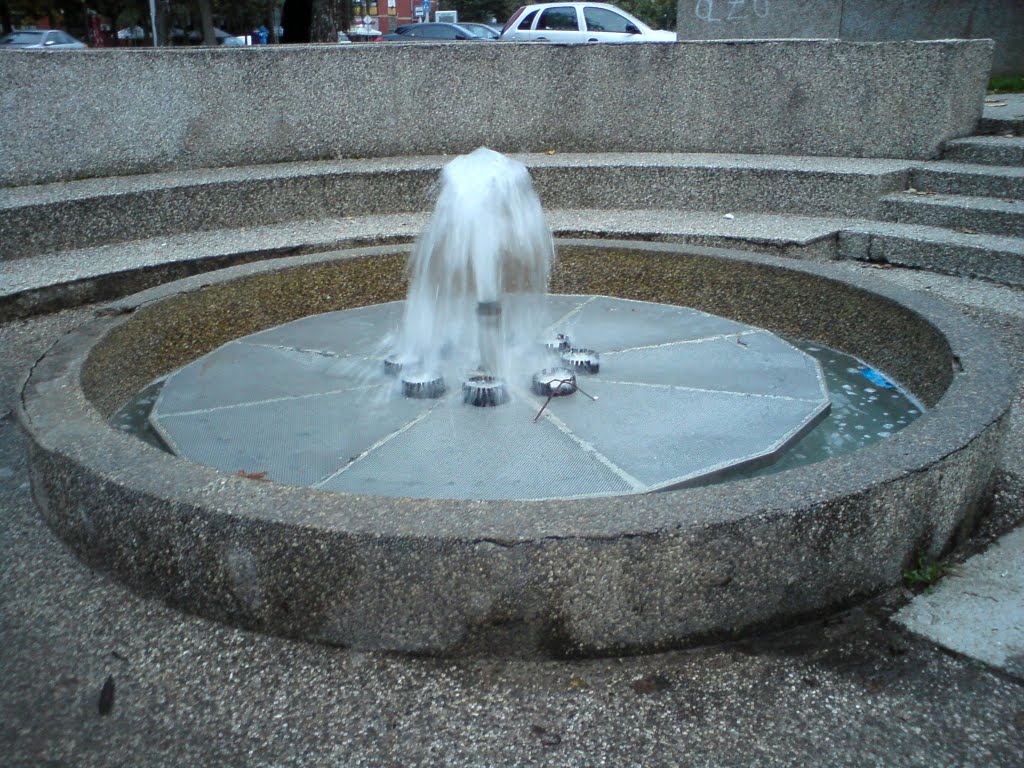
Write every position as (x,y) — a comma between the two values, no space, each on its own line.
(107,697)
(550,152)
(651,684)
(577,683)
(252,475)
(545,737)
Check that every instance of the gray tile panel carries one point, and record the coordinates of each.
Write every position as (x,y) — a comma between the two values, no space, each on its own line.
(308,403)
(296,441)
(239,373)
(462,452)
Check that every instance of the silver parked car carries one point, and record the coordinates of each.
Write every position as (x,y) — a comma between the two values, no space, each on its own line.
(580,23)
(40,38)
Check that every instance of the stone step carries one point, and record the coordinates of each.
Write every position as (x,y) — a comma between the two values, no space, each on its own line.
(969,179)
(1003,115)
(962,213)
(998,126)
(992,257)
(68,278)
(53,217)
(986,150)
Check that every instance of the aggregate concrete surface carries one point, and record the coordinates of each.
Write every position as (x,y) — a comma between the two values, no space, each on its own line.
(94,675)
(979,609)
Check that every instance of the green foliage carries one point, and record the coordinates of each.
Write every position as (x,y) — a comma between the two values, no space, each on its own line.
(482,10)
(658,14)
(1007,84)
(925,574)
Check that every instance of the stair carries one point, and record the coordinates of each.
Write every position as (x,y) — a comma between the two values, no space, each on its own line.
(961,213)
(986,150)
(91,240)
(969,179)
(1003,115)
(991,257)
(47,282)
(47,218)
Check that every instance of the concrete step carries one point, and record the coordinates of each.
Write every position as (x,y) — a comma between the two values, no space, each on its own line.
(1003,115)
(53,217)
(72,277)
(963,213)
(69,278)
(969,179)
(992,257)
(986,150)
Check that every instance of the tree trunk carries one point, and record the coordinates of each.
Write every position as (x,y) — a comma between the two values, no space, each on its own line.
(324,28)
(329,18)
(207,18)
(163,26)
(274,11)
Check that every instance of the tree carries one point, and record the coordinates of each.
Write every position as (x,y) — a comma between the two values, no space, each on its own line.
(482,10)
(659,14)
(206,15)
(6,22)
(329,18)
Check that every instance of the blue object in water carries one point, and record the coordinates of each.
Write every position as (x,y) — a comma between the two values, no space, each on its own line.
(877,378)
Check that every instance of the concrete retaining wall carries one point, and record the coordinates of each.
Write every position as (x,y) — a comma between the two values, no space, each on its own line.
(1000,20)
(82,114)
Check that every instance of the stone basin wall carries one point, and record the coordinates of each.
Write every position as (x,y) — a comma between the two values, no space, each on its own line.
(557,577)
(96,113)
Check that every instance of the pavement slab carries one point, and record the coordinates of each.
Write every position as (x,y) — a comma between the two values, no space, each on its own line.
(978,610)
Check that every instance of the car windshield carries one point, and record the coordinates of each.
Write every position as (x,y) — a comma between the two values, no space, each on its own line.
(481,30)
(21,38)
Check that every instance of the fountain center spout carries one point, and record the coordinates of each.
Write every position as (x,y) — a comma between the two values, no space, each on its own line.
(479,273)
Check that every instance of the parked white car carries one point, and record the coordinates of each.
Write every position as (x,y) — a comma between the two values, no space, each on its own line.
(580,23)
(40,38)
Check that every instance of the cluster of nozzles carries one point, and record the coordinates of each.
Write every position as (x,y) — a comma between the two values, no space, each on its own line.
(483,389)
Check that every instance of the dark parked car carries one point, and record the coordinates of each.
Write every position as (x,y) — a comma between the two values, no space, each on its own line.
(40,38)
(430,32)
(482,30)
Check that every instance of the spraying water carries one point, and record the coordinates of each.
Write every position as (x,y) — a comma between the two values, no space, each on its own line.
(478,278)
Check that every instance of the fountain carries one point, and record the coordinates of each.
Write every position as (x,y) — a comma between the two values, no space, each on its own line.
(478,276)
(402,514)
(683,397)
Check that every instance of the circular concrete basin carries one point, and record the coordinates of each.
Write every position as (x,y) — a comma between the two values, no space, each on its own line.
(620,573)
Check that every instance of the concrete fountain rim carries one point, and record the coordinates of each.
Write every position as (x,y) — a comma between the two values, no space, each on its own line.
(978,397)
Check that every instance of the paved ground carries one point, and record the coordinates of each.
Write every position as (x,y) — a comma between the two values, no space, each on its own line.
(1005,107)
(855,689)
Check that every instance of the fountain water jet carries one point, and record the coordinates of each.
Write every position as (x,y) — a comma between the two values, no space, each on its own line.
(478,278)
